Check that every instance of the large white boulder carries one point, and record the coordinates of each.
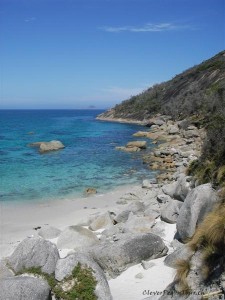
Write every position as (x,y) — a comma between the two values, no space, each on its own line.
(198,203)
(74,237)
(34,252)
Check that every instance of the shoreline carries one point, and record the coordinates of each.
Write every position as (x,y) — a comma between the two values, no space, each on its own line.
(18,220)
(121,120)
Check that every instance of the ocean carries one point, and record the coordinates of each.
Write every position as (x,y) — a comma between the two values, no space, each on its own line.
(89,158)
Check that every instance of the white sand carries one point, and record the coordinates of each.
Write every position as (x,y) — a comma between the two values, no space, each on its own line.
(17,221)
(155,279)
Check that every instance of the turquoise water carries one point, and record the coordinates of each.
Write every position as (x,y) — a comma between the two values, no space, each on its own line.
(89,159)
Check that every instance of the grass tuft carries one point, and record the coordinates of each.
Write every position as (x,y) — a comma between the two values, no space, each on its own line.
(209,238)
(183,268)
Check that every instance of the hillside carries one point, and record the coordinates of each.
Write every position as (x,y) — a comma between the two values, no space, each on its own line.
(194,91)
(196,95)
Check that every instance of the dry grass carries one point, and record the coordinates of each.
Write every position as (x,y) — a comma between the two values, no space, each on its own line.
(183,268)
(209,238)
(221,176)
(211,231)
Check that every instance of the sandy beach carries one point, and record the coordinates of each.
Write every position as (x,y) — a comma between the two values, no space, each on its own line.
(19,221)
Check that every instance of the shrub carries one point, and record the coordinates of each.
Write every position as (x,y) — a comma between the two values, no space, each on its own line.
(79,285)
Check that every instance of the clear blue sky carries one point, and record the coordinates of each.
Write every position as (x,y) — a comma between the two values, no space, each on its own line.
(78,53)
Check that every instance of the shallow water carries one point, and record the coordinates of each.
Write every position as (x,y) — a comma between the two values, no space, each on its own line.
(89,159)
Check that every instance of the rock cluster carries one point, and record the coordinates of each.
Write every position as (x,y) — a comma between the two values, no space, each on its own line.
(18,277)
(178,146)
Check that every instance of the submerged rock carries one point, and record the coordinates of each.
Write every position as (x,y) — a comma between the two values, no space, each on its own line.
(90,191)
(48,146)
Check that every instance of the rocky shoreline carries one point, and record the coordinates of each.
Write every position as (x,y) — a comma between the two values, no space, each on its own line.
(179,143)
(133,232)
(109,117)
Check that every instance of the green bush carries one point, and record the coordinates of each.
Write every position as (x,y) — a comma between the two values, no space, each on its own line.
(81,283)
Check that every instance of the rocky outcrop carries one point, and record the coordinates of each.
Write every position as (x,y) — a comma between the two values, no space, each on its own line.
(48,146)
(34,252)
(173,155)
(25,288)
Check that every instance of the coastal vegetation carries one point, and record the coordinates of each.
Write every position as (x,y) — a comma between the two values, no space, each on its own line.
(79,285)
(195,93)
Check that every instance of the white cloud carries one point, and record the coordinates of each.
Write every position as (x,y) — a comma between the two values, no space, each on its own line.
(149,27)
(31,19)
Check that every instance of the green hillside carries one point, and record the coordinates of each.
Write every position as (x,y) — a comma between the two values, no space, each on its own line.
(197,95)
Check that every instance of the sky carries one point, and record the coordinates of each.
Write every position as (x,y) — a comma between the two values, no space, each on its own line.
(96,53)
